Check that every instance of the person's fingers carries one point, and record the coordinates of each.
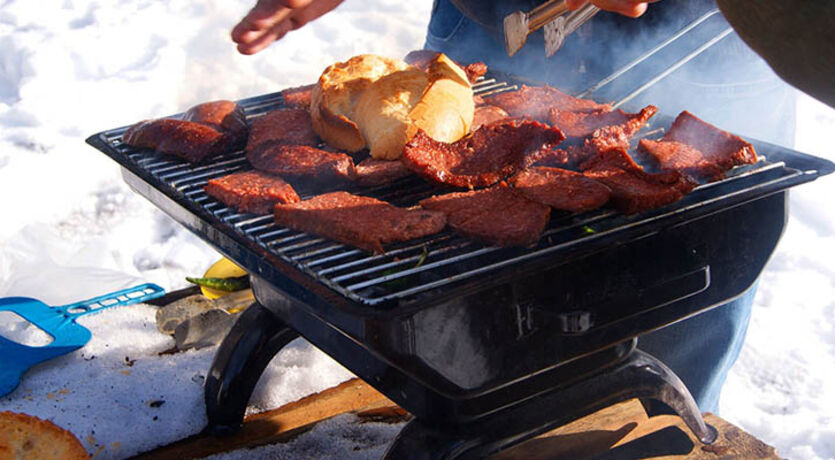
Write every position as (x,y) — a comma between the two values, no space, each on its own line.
(314,11)
(251,42)
(264,16)
(575,4)
(631,8)
(266,38)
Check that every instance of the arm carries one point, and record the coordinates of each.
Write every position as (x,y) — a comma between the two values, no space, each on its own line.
(270,20)
(794,37)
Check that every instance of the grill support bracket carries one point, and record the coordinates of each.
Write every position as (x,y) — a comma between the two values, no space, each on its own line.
(638,375)
(254,339)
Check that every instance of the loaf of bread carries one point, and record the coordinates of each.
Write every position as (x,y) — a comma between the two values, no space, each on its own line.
(382,112)
(27,437)
(380,103)
(336,93)
(445,112)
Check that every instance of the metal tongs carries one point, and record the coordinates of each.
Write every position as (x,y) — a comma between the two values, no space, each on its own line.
(552,16)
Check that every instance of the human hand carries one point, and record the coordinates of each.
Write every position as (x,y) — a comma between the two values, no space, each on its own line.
(631,8)
(270,20)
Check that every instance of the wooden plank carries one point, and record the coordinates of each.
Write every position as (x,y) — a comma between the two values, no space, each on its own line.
(624,431)
(619,431)
(279,424)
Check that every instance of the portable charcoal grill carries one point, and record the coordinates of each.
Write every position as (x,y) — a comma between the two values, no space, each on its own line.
(485,346)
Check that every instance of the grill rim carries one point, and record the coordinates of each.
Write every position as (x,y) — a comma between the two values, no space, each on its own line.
(206,220)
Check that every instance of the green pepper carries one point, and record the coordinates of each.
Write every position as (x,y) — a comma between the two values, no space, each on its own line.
(222,284)
(402,283)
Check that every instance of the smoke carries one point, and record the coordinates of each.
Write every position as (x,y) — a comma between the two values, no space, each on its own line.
(727,84)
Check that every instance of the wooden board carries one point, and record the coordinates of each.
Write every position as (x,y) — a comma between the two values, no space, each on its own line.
(624,431)
(283,423)
(619,431)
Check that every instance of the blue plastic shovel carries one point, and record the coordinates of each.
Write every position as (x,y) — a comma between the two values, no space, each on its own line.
(60,323)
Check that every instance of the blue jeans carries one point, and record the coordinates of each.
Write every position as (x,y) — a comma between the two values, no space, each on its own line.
(701,349)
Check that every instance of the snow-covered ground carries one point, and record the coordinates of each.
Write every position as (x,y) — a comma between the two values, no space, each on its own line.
(71,229)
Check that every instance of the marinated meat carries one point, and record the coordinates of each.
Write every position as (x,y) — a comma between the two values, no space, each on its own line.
(422,58)
(561,189)
(633,189)
(251,191)
(302,161)
(569,157)
(286,126)
(537,101)
(614,137)
(718,146)
(190,141)
(370,172)
(486,114)
(206,130)
(497,216)
(698,149)
(225,116)
(298,97)
(364,222)
(584,124)
(490,154)
(675,156)
(475,70)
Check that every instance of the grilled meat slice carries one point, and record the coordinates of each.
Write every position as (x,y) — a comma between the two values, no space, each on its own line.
(486,114)
(613,137)
(496,216)
(226,116)
(537,101)
(206,130)
(360,221)
(717,146)
(302,161)
(298,97)
(698,149)
(569,157)
(251,191)
(584,124)
(475,70)
(370,172)
(490,154)
(561,189)
(285,126)
(190,141)
(633,189)
(675,156)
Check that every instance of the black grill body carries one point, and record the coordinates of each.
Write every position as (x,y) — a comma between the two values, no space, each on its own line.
(473,333)
(469,355)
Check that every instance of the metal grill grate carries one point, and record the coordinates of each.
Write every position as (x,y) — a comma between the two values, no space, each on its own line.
(414,267)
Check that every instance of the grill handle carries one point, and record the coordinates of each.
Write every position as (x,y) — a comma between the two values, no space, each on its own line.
(238,364)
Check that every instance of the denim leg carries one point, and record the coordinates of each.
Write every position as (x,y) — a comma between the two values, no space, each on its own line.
(702,349)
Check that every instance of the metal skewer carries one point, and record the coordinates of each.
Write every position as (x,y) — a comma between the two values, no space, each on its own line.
(674,67)
(648,54)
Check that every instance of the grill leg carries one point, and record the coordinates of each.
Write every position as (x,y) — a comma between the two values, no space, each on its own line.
(241,358)
(639,375)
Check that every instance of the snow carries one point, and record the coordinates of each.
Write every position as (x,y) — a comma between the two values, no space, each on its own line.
(70,69)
